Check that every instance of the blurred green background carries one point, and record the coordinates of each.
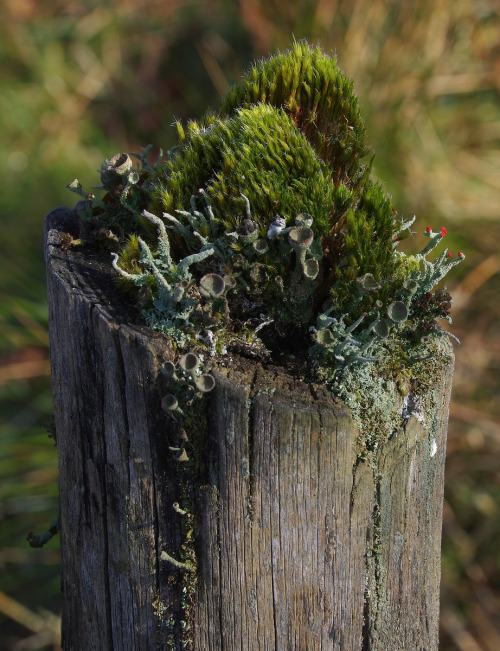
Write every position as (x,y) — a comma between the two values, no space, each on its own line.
(83,80)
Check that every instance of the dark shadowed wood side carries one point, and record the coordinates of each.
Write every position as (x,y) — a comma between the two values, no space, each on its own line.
(299,543)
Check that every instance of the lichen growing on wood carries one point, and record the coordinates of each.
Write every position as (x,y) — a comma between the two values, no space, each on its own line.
(262,233)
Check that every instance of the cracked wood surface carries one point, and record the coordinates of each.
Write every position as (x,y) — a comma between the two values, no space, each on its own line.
(300,545)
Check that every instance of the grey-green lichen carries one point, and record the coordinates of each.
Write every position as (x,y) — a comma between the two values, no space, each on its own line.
(383,396)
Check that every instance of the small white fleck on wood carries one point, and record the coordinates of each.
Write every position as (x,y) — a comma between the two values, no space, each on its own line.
(434,448)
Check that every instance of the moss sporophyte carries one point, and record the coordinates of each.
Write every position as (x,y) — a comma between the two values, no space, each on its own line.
(263,231)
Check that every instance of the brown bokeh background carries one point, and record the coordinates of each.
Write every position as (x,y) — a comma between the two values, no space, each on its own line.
(80,81)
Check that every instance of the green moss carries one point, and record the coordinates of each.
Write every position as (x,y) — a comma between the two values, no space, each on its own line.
(258,152)
(369,235)
(312,89)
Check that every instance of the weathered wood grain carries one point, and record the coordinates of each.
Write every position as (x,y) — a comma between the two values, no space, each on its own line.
(299,543)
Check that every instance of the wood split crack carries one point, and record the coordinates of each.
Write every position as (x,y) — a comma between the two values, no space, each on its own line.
(251,442)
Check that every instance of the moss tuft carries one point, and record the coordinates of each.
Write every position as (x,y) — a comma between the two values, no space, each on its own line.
(258,152)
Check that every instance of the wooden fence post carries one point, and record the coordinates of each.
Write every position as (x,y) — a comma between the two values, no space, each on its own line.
(288,541)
